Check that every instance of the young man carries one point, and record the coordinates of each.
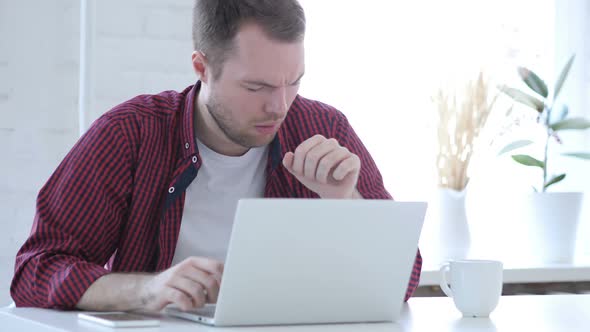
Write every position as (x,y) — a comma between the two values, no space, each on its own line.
(151,189)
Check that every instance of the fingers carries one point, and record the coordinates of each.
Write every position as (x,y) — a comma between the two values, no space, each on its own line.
(206,264)
(329,162)
(316,154)
(317,157)
(325,167)
(288,161)
(194,291)
(302,150)
(192,283)
(208,283)
(349,165)
(189,284)
(178,298)
(206,272)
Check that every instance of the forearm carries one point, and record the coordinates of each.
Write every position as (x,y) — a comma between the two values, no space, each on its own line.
(45,280)
(116,292)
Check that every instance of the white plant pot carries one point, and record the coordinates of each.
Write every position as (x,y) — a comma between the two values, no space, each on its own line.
(453,230)
(553,220)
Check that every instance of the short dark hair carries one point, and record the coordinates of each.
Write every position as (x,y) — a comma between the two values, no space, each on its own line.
(216,23)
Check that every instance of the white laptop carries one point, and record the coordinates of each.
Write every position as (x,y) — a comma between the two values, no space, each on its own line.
(313,261)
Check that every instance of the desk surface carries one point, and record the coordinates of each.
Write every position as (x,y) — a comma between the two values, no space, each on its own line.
(538,313)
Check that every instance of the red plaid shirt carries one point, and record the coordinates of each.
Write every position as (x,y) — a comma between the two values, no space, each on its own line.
(115,202)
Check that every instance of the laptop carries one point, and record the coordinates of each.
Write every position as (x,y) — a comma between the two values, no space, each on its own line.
(315,261)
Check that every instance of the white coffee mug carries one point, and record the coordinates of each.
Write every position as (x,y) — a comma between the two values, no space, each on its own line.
(475,285)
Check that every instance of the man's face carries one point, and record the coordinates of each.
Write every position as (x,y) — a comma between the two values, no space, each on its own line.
(256,88)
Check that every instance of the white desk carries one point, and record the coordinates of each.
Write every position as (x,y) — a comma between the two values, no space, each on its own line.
(541,313)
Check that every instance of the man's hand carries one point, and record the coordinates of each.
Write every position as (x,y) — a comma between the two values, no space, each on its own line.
(190,284)
(325,167)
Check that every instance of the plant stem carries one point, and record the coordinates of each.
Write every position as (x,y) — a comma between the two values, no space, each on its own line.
(545,157)
(545,162)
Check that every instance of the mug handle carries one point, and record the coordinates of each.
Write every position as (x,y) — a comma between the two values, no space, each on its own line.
(444,284)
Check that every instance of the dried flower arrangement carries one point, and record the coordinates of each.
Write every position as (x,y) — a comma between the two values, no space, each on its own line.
(461,117)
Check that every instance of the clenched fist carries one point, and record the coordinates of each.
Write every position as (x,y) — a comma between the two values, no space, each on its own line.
(325,167)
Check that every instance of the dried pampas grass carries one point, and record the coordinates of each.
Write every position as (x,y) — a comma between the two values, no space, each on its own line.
(461,117)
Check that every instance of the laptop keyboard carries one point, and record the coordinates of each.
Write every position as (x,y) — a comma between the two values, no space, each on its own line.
(208,311)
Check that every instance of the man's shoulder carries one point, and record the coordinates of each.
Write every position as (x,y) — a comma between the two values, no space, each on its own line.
(313,107)
(160,106)
(312,112)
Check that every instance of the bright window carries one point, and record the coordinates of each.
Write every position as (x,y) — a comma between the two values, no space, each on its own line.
(381,62)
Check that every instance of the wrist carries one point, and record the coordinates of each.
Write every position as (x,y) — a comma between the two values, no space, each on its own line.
(144,290)
(356,194)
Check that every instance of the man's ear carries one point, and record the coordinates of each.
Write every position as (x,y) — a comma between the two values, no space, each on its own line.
(200,66)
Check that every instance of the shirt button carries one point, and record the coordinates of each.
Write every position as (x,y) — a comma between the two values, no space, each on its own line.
(171,190)
(194,159)
(186,146)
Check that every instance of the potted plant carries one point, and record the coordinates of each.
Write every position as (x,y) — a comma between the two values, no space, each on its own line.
(554,216)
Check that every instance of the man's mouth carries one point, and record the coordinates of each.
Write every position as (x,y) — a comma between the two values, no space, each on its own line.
(267,127)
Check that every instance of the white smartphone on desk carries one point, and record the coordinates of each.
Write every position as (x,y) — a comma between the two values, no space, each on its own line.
(119,319)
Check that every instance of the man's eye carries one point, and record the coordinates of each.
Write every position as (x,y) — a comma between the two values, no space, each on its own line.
(254,89)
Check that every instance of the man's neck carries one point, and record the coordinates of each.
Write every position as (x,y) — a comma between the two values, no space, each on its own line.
(209,133)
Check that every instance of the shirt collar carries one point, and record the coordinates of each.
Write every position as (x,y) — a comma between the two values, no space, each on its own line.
(187,132)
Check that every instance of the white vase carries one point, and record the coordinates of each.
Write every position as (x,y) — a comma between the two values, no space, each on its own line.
(453,230)
(552,220)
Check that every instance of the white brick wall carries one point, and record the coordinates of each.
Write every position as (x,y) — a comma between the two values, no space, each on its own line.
(38,116)
(141,47)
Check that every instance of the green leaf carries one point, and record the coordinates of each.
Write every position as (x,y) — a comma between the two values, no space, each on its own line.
(563,76)
(554,180)
(523,98)
(515,145)
(533,81)
(581,155)
(573,123)
(528,160)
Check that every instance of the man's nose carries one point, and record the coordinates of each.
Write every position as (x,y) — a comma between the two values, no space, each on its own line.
(278,101)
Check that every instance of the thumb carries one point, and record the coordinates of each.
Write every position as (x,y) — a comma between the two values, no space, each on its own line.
(288,161)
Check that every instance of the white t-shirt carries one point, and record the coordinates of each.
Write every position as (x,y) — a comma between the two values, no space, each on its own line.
(211,201)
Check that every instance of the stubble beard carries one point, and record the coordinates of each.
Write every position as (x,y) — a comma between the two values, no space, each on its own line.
(229,128)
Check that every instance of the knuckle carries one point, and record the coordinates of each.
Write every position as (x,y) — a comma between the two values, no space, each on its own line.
(333,141)
(174,276)
(177,296)
(299,150)
(318,137)
(210,283)
(199,288)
